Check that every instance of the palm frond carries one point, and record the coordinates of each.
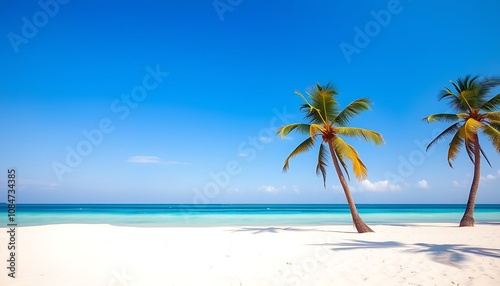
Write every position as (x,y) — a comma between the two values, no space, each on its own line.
(368,135)
(314,129)
(466,83)
(455,144)
(313,115)
(485,157)
(445,117)
(471,127)
(448,131)
(303,147)
(453,100)
(470,152)
(493,135)
(300,127)
(495,124)
(475,92)
(324,104)
(465,97)
(493,116)
(343,164)
(492,104)
(469,148)
(322,163)
(485,87)
(354,108)
(347,151)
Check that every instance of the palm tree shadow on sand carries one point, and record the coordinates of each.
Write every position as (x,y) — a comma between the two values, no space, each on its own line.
(449,254)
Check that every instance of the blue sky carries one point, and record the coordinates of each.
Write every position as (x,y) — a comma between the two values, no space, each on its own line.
(178,101)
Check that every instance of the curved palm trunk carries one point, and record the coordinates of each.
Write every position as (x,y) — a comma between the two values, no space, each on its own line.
(360,225)
(468,218)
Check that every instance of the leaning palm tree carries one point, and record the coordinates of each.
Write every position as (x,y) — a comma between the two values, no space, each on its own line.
(326,120)
(477,112)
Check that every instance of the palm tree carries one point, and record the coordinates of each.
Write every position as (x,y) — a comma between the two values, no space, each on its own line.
(327,121)
(476,112)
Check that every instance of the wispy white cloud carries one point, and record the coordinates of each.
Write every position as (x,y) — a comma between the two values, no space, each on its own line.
(423,184)
(243,154)
(144,159)
(293,188)
(153,160)
(488,177)
(466,183)
(269,189)
(380,186)
(278,189)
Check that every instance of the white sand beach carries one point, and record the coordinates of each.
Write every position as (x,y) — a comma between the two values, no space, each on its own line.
(415,254)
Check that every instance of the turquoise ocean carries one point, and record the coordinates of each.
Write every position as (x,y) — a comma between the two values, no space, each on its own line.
(167,215)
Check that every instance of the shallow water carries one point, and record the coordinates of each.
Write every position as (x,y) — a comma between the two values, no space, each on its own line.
(241,215)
